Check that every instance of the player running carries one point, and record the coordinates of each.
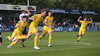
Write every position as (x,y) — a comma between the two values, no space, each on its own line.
(84,23)
(24,13)
(48,28)
(36,19)
(20,26)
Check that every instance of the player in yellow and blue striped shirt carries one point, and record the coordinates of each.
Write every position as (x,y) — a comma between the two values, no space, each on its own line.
(48,28)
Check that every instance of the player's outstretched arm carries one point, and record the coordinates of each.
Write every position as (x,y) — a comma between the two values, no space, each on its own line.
(31,18)
(79,19)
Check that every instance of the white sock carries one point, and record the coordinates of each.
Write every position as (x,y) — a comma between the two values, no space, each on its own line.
(14,39)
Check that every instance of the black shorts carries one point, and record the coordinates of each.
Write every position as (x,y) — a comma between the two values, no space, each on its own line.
(0,39)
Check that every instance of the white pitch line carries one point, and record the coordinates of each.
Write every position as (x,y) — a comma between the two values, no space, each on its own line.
(83,43)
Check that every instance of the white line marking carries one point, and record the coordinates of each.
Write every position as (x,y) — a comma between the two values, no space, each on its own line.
(83,43)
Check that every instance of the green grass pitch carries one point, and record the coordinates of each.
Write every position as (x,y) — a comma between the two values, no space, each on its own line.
(64,44)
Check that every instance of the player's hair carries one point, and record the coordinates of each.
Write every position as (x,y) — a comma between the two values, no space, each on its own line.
(43,10)
(85,17)
(24,16)
(50,11)
(24,11)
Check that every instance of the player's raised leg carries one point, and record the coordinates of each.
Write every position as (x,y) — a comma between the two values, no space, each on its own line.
(12,36)
(13,43)
(16,39)
(43,34)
